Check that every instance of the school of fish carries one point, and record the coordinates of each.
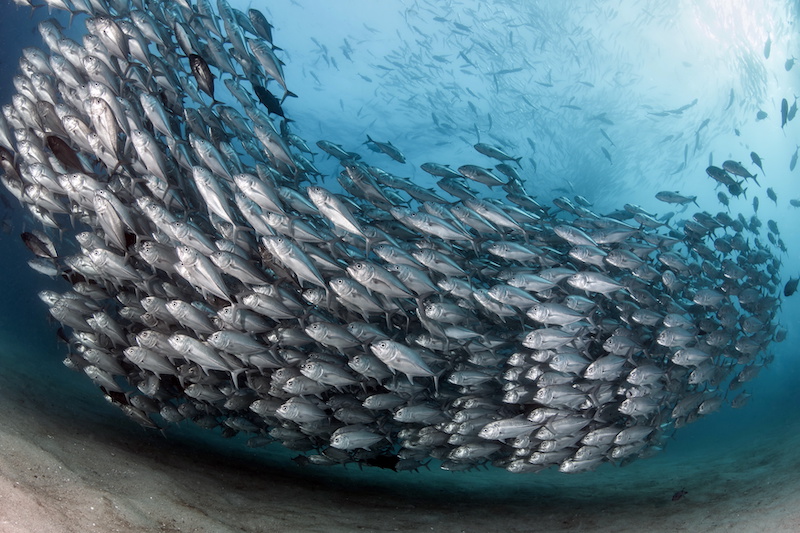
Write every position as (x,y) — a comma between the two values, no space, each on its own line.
(214,277)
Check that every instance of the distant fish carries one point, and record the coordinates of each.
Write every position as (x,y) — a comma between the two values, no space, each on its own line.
(792,111)
(602,118)
(605,153)
(730,101)
(772,196)
(495,152)
(767,47)
(506,71)
(761,115)
(784,112)
(791,286)
(789,64)
(603,132)
(756,160)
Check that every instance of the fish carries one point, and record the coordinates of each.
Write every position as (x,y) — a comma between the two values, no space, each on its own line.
(435,169)
(269,100)
(606,154)
(209,272)
(756,160)
(495,153)
(730,100)
(401,358)
(481,175)
(675,198)
(736,168)
(784,112)
(720,175)
(389,149)
(791,286)
(792,111)
(603,132)
(203,75)
(771,195)
(39,244)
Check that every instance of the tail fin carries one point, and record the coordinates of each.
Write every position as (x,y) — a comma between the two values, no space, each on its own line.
(287,94)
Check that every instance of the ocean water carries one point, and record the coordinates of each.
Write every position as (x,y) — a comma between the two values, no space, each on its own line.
(434,78)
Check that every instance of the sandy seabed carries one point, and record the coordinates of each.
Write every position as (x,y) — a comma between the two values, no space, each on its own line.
(68,462)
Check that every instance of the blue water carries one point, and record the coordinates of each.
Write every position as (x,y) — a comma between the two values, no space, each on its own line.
(610,59)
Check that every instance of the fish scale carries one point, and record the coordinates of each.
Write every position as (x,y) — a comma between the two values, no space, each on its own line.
(459,307)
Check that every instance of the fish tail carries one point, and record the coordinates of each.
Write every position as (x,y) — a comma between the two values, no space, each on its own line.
(287,94)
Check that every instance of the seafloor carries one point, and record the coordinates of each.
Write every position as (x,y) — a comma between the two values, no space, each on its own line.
(69,462)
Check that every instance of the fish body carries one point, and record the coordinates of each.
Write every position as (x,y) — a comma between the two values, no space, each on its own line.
(784,112)
(401,358)
(495,153)
(203,75)
(791,286)
(675,198)
(389,149)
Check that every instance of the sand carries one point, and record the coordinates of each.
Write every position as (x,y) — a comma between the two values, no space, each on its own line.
(69,462)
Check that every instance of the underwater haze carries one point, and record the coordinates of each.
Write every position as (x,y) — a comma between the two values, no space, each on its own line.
(599,105)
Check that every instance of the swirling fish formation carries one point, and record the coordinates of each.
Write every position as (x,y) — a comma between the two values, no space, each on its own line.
(214,278)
